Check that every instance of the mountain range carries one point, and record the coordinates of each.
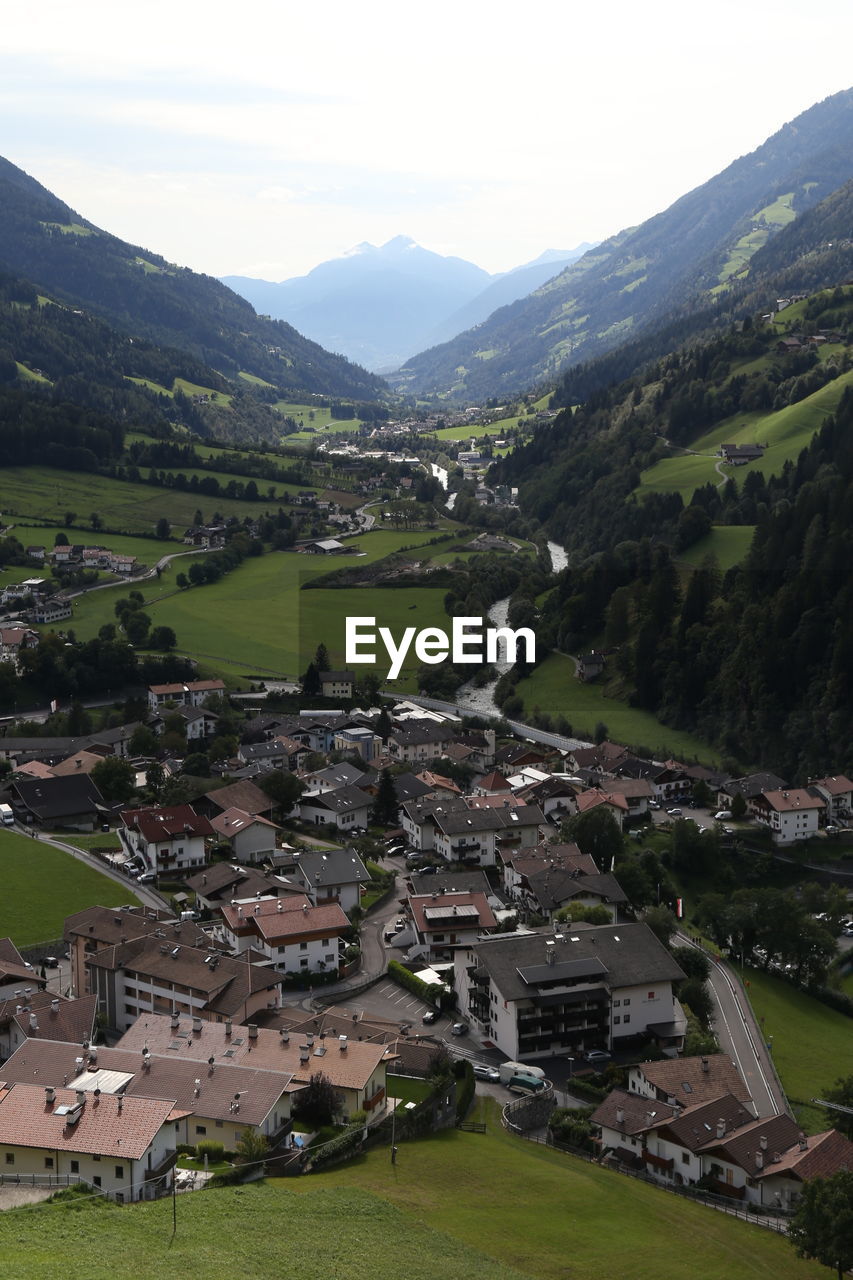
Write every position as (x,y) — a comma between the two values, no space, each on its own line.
(380,305)
(693,259)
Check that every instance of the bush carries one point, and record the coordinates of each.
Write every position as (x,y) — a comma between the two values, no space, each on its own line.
(405,978)
(465,1086)
(215,1151)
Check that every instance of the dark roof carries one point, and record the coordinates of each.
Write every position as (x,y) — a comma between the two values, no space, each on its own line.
(240,795)
(696,1128)
(630,953)
(51,799)
(695,1080)
(630,1113)
(331,867)
(342,800)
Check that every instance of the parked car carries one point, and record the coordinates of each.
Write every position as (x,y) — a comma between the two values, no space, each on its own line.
(148,877)
(429,871)
(723,815)
(674,813)
(483,1072)
(459,1029)
(597,1057)
(654,804)
(430,1016)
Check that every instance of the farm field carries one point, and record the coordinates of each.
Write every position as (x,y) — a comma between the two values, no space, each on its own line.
(553,688)
(785,432)
(811,1042)
(728,544)
(360,1219)
(249,621)
(147,550)
(43,885)
(42,493)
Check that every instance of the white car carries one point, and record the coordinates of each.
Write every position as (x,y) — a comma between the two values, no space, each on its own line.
(486,1073)
(674,813)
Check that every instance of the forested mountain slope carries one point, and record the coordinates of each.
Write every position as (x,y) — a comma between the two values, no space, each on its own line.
(141,294)
(683,259)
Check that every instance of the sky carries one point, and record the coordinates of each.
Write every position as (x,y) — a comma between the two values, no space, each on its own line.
(264,137)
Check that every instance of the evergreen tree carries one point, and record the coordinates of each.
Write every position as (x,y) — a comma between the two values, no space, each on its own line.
(386,806)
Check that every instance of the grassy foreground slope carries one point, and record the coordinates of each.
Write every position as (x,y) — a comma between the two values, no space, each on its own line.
(455,1207)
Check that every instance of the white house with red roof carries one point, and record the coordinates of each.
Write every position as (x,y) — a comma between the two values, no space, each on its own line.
(791,815)
(616,804)
(169,839)
(123,1146)
(191,694)
(445,921)
(838,794)
(291,933)
(251,836)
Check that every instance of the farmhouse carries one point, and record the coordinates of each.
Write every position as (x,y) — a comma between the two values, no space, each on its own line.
(168,839)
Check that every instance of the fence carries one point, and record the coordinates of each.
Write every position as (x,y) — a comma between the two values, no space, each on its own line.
(775,1221)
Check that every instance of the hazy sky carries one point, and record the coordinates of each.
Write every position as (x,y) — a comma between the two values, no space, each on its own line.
(263,137)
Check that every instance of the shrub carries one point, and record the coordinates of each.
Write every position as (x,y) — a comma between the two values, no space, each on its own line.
(465,1086)
(215,1151)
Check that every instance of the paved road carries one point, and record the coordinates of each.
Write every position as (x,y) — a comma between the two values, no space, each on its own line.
(740,1037)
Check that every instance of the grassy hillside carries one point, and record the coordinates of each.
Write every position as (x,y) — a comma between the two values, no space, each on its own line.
(29,911)
(526,1213)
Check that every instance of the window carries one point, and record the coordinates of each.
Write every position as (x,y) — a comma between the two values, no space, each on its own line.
(10,1157)
(75,1166)
(119,1170)
(96,1157)
(219,1124)
(202,1129)
(617,1004)
(650,996)
(626,1017)
(48,1162)
(626,1001)
(685,1157)
(303,946)
(97,1181)
(616,1020)
(303,963)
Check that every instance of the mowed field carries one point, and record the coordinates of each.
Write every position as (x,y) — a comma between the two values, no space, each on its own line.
(252,619)
(42,885)
(728,544)
(43,493)
(785,433)
(455,1206)
(553,688)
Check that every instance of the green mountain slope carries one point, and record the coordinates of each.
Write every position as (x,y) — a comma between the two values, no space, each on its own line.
(140,293)
(685,257)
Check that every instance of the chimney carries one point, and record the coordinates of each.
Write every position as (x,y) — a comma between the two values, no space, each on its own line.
(34,1022)
(228,1026)
(759,1159)
(81,1097)
(721,1128)
(342,1043)
(762,1142)
(175,1022)
(253,1030)
(804,1142)
(196,1024)
(50,1095)
(309,1039)
(285,1035)
(705,1066)
(620,1115)
(304,1053)
(550,956)
(120,1102)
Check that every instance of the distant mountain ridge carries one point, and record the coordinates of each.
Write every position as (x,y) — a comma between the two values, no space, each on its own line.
(379,305)
(138,292)
(685,257)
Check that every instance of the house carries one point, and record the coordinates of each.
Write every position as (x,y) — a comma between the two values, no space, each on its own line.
(331,875)
(360,739)
(615,804)
(222,1103)
(197,723)
(687,1082)
(518,865)
(790,815)
(636,792)
(549,889)
(345,808)
(280,752)
(79,762)
(42,1015)
(419,741)
(243,795)
(72,801)
(838,794)
(251,837)
(123,1146)
(288,933)
(750,786)
(18,980)
(13,641)
(334,776)
(158,974)
(53,609)
(739,454)
(168,839)
(337,684)
(473,835)
(191,694)
(589,987)
(354,1068)
(445,922)
(224,881)
(324,547)
(590,665)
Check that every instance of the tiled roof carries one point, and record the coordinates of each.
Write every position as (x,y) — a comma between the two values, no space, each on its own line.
(822,1155)
(122,1128)
(630,1114)
(443,911)
(692,1081)
(170,823)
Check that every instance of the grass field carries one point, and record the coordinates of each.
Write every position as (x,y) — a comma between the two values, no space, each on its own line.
(147,550)
(728,544)
(250,621)
(42,493)
(553,688)
(785,432)
(43,885)
(812,1044)
(457,1206)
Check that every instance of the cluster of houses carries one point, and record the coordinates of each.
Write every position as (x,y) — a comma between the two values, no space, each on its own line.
(79,556)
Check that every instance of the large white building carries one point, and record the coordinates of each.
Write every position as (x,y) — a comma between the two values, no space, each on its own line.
(536,995)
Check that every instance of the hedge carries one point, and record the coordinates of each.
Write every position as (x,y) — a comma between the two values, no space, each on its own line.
(405,978)
(465,1087)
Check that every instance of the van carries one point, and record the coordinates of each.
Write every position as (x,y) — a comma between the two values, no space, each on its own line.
(6,815)
(722,815)
(525,1084)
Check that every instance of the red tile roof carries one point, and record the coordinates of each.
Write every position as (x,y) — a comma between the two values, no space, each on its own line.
(109,1125)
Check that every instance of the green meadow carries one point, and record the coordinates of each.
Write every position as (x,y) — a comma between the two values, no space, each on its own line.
(728,544)
(454,1206)
(553,687)
(42,885)
(785,433)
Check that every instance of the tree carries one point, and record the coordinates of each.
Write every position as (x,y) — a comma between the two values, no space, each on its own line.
(284,789)
(311,684)
(319,1102)
(182,582)
(386,805)
(321,657)
(163,638)
(136,626)
(842,1093)
(95,521)
(662,923)
(597,833)
(251,1147)
(114,778)
(69,518)
(61,539)
(163,529)
(822,1225)
(738,809)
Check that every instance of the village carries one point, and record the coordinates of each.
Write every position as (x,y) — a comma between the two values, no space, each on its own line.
(370,895)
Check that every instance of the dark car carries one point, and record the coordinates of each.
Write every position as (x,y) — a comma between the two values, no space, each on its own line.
(430,1016)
